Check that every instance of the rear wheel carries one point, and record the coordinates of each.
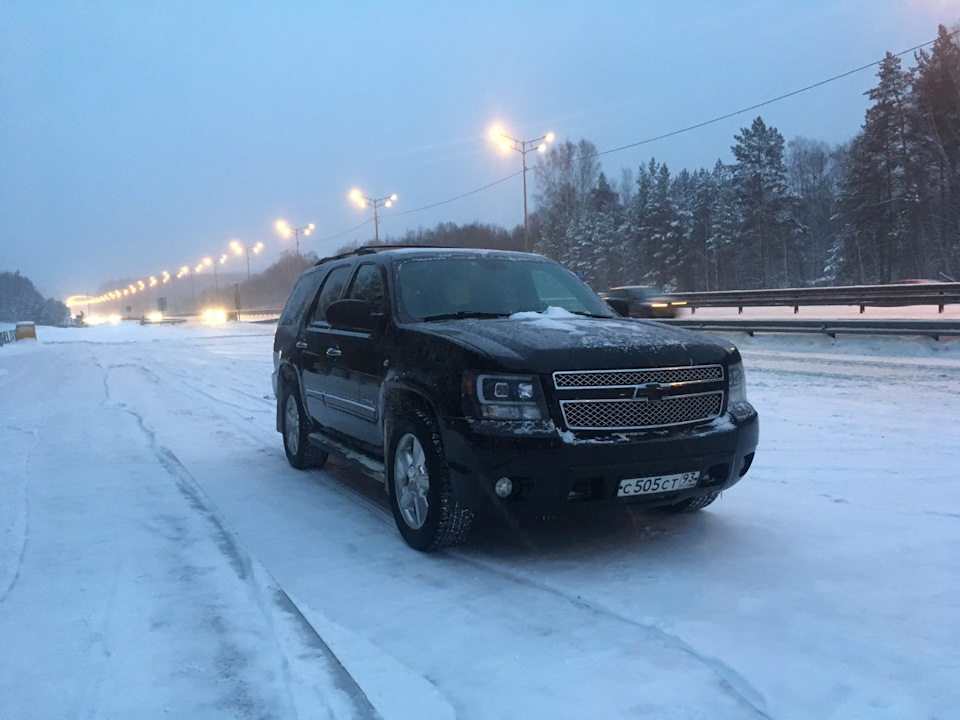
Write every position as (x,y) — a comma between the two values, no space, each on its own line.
(692,504)
(295,428)
(427,515)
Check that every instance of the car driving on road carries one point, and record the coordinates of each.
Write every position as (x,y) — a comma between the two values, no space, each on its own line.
(642,301)
(471,380)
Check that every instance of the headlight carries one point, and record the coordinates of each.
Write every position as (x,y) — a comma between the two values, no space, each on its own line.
(738,384)
(503,397)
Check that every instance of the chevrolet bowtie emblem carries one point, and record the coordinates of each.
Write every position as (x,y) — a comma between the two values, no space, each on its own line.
(653,392)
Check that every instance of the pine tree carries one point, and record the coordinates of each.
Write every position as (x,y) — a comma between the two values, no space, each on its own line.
(879,191)
(760,181)
(726,219)
(936,95)
(814,176)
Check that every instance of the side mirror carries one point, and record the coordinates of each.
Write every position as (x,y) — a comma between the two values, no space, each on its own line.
(620,306)
(351,315)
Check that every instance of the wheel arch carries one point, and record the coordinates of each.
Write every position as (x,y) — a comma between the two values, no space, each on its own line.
(399,398)
(286,376)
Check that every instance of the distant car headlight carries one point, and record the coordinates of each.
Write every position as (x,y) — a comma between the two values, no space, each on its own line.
(215,316)
(738,384)
(503,397)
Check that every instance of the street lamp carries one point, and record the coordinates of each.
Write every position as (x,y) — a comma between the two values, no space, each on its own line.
(184,270)
(364,201)
(284,229)
(523,147)
(216,282)
(240,249)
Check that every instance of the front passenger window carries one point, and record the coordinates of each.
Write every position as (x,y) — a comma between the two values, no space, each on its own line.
(368,286)
(332,287)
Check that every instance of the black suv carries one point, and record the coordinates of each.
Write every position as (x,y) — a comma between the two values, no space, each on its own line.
(471,379)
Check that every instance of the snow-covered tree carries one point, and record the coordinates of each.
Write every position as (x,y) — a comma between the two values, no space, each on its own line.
(760,178)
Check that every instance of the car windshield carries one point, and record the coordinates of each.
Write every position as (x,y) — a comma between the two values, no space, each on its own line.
(635,293)
(441,288)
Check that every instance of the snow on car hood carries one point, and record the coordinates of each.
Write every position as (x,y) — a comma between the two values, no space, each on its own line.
(558,340)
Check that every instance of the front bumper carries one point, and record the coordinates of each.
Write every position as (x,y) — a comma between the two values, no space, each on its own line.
(563,470)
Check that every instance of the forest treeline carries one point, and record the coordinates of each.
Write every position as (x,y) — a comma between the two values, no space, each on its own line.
(21,301)
(885,206)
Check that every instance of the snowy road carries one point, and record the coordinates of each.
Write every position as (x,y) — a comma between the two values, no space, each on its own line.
(158,557)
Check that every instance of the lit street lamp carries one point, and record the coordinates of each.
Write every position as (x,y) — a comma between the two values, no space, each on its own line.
(284,229)
(240,249)
(523,147)
(364,201)
(184,270)
(216,282)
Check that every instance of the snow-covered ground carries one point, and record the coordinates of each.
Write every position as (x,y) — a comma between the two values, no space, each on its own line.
(159,558)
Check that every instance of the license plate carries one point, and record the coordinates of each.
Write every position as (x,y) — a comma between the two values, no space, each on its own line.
(657,484)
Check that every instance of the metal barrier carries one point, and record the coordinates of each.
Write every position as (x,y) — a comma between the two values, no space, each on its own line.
(929,328)
(22,331)
(900,294)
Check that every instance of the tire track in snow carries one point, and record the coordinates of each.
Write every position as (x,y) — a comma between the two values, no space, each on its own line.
(250,571)
(19,528)
(728,679)
(732,682)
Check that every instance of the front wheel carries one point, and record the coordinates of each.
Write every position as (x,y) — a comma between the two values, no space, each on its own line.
(296,428)
(421,496)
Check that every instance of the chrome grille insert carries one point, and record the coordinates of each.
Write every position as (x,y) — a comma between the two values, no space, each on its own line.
(630,378)
(641,413)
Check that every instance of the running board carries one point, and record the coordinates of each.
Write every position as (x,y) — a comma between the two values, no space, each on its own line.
(370,466)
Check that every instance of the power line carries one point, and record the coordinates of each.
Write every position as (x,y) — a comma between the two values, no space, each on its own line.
(764,103)
(669,134)
(346,232)
(426,207)
(459,197)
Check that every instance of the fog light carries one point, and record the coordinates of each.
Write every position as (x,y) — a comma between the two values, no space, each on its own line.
(504,487)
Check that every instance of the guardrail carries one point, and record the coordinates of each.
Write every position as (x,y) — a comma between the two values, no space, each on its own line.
(864,296)
(22,331)
(930,328)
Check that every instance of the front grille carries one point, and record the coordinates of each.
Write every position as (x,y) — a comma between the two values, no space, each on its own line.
(630,378)
(641,413)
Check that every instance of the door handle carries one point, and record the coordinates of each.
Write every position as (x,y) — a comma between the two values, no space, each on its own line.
(301,344)
(333,352)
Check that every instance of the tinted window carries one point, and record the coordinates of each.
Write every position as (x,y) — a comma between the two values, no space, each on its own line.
(367,285)
(299,297)
(331,290)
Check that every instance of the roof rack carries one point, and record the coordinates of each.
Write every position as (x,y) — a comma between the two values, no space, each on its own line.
(373,249)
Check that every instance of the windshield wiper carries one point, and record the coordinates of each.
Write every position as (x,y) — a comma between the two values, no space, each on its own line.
(465,314)
(586,314)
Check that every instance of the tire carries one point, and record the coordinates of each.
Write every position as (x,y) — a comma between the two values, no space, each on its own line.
(427,515)
(295,428)
(692,504)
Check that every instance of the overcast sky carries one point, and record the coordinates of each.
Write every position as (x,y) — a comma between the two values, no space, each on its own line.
(136,137)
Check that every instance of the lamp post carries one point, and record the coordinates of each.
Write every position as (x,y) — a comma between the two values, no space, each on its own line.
(284,229)
(523,147)
(239,249)
(216,282)
(375,203)
(184,270)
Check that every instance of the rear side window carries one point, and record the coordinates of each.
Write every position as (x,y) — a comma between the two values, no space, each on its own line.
(303,291)
(330,291)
